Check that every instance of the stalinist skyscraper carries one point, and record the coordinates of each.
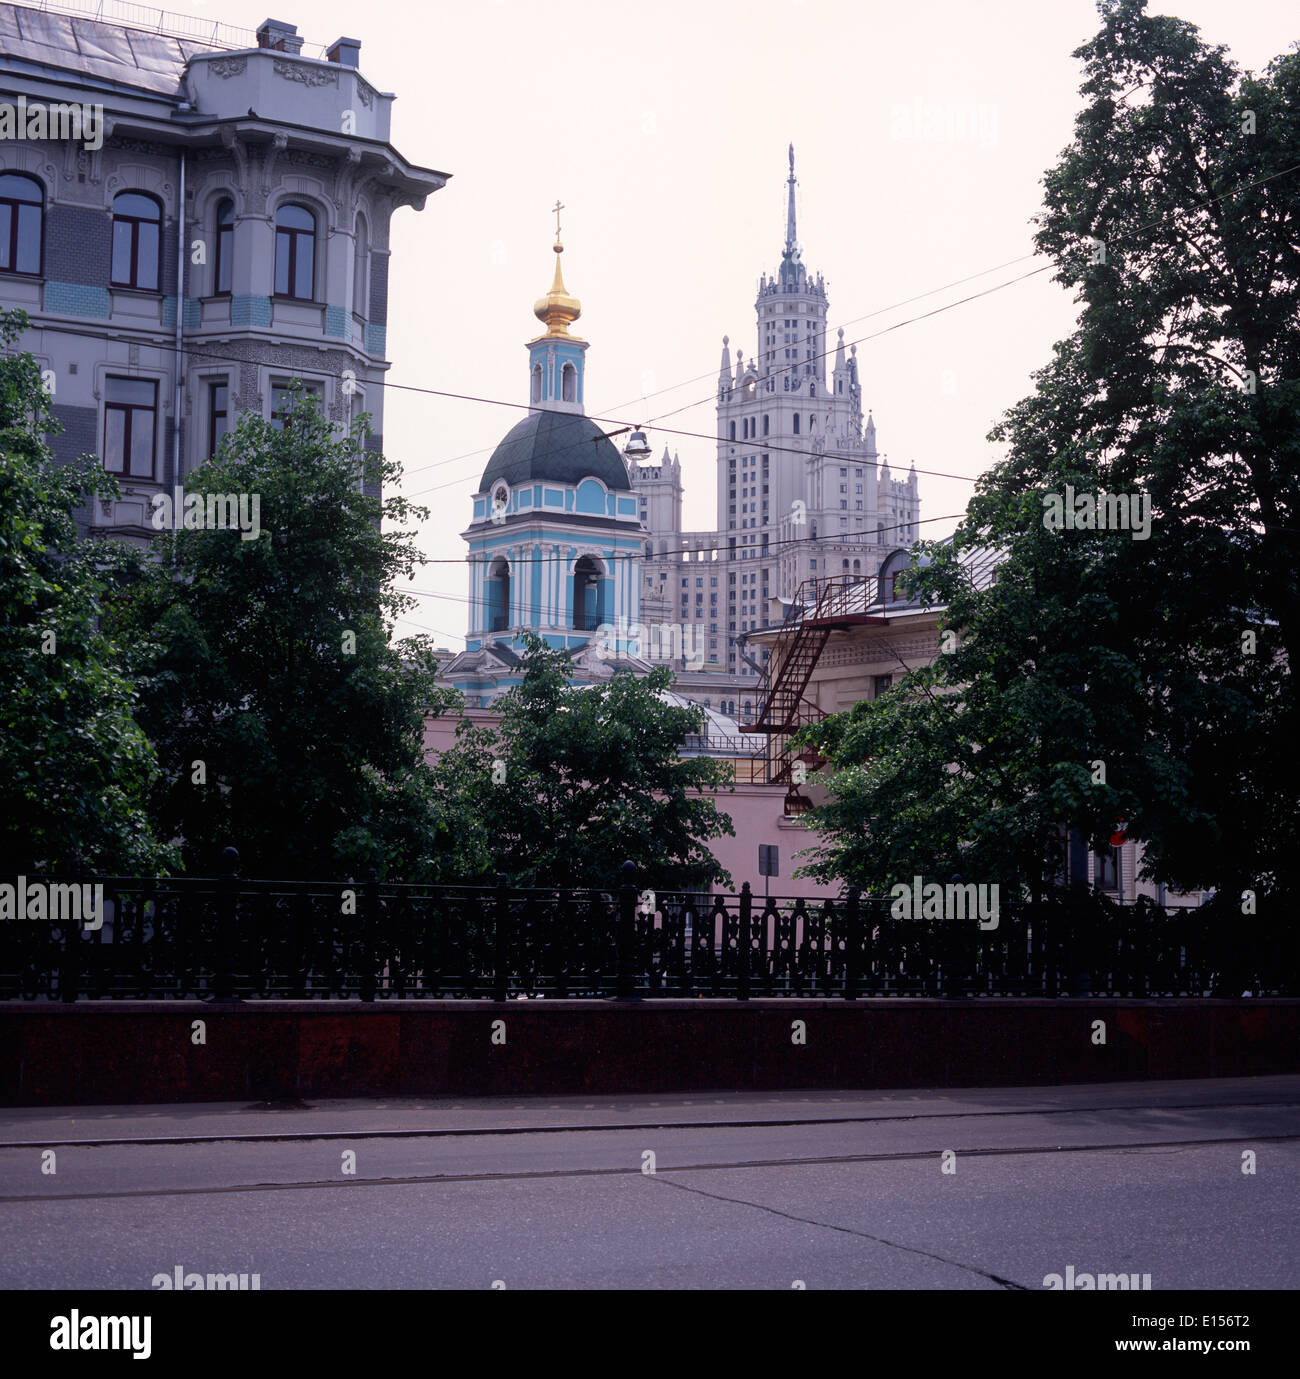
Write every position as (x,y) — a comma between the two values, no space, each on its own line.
(802,491)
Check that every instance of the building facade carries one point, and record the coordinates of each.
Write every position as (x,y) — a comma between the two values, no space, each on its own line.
(247,180)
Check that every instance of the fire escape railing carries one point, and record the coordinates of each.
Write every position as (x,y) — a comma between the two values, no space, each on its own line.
(820,607)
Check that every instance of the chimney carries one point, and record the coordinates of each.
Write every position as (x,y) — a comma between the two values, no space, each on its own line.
(345,51)
(282,37)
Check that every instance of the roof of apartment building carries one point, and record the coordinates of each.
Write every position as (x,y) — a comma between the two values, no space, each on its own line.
(68,43)
(842,596)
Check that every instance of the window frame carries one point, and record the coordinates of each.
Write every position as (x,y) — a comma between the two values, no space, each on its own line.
(15,208)
(128,427)
(133,223)
(292,234)
(212,384)
(224,261)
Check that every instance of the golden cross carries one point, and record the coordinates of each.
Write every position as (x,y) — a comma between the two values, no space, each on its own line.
(558,208)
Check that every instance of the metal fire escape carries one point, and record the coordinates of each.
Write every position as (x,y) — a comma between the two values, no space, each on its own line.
(820,607)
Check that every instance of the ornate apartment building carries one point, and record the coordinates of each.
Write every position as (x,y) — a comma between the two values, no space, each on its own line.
(235,174)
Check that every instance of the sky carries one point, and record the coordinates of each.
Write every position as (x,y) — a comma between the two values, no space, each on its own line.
(663,129)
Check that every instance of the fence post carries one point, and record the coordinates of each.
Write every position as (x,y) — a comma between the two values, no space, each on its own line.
(625,934)
(743,951)
(852,946)
(223,986)
(500,961)
(369,931)
(69,966)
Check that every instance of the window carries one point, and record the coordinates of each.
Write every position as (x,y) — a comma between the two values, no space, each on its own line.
(295,252)
(880,683)
(796,423)
(569,384)
(22,216)
(537,383)
(731,430)
(587,603)
(130,421)
(137,231)
(498,595)
(361,268)
(218,414)
(225,248)
(282,401)
(766,419)
(1108,869)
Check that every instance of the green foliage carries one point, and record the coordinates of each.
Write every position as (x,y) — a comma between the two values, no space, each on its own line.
(286,723)
(74,765)
(577,780)
(1181,382)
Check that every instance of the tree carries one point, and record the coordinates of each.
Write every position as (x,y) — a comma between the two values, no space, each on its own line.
(74,764)
(1111,675)
(286,722)
(575,780)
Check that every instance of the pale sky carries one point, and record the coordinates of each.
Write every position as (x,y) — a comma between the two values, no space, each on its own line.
(663,128)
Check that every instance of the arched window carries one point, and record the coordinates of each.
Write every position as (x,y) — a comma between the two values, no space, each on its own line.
(361,268)
(731,430)
(137,235)
(857,567)
(796,423)
(766,419)
(587,610)
(498,595)
(225,257)
(812,425)
(295,252)
(569,384)
(536,392)
(22,223)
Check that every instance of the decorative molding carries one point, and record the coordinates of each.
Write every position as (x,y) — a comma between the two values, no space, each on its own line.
(301,157)
(225,67)
(308,76)
(366,92)
(125,145)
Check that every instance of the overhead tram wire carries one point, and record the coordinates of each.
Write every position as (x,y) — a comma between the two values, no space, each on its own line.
(531,608)
(619,422)
(863,339)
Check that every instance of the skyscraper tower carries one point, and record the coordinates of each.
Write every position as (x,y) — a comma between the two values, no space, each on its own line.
(800,495)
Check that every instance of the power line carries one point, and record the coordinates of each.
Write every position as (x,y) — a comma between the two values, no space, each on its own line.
(822,541)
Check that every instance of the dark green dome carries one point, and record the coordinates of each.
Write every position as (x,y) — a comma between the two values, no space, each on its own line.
(559,447)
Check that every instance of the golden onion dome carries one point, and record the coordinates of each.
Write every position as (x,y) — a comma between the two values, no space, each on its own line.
(557,310)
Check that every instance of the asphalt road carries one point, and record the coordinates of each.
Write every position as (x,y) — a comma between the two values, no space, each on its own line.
(748,1191)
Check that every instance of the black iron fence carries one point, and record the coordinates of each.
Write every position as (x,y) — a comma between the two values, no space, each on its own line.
(229,938)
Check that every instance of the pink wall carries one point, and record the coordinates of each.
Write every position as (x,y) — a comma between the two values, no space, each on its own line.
(757,815)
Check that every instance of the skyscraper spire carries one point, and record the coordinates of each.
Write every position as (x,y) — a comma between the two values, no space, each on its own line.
(789,214)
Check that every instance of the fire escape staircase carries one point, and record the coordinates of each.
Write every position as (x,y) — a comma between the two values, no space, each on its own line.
(820,607)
